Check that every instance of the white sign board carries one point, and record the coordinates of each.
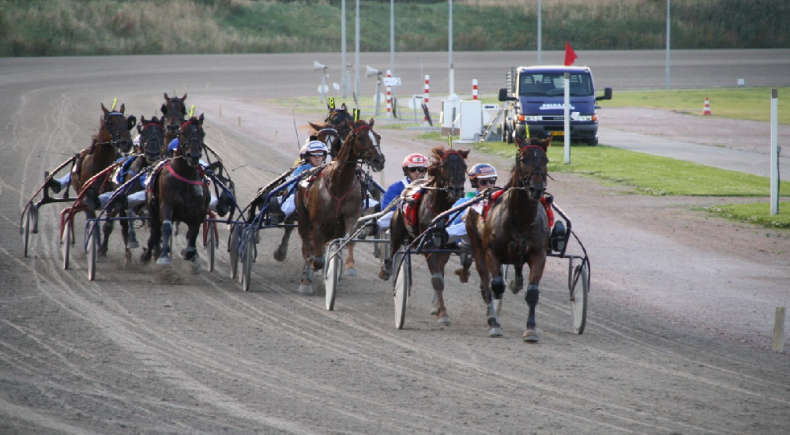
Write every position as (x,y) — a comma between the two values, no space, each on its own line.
(391,81)
(415,102)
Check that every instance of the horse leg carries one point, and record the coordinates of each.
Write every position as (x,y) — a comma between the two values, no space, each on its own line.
(517,284)
(436,265)
(532,296)
(282,250)
(107,227)
(167,233)
(155,236)
(190,252)
(397,237)
(306,284)
(131,234)
(350,270)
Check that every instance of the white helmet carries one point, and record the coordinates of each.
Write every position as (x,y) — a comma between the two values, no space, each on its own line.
(314,147)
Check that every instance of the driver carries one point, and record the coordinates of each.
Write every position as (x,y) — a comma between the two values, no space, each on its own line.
(312,155)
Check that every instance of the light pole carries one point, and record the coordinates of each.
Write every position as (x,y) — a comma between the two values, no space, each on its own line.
(344,75)
(356,60)
(667,44)
(450,49)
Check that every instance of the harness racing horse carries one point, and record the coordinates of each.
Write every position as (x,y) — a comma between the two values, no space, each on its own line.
(329,207)
(174,111)
(328,134)
(515,231)
(444,186)
(341,120)
(178,192)
(112,139)
(152,136)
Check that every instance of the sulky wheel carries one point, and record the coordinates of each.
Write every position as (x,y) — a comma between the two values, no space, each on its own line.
(332,274)
(580,287)
(31,217)
(401,291)
(233,250)
(93,243)
(66,241)
(247,258)
(211,244)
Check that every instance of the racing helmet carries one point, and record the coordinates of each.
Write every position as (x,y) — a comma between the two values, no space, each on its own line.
(481,171)
(313,147)
(415,160)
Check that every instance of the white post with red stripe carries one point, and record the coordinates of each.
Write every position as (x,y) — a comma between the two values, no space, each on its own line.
(474,89)
(389,96)
(425,99)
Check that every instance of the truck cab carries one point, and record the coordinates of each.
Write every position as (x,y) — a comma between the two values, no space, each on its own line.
(537,94)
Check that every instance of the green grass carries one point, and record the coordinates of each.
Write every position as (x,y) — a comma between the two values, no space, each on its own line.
(738,103)
(655,175)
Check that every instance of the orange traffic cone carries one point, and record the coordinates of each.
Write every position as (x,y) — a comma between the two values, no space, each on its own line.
(706,110)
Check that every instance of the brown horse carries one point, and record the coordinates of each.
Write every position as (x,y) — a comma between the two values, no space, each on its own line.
(330,206)
(340,119)
(515,231)
(174,113)
(152,136)
(178,192)
(112,139)
(444,186)
(330,136)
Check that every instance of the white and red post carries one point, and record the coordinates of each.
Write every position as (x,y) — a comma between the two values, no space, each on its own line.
(474,89)
(425,99)
(389,96)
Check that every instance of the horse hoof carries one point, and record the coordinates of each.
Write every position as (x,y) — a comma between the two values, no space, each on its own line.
(384,275)
(444,320)
(435,309)
(515,286)
(530,336)
(164,261)
(495,331)
(306,289)
(133,244)
(280,255)
(351,272)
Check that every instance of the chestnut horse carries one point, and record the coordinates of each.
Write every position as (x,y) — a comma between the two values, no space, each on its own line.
(152,136)
(113,138)
(444,186)
(178,192)
(515,231)
(174,112)
(330,206)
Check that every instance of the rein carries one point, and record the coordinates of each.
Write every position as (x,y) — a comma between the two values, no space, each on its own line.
(342,198)
(184,179)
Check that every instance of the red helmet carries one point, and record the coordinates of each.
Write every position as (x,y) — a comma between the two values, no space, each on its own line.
(415,160)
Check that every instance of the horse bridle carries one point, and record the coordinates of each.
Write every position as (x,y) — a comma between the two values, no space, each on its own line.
(160,138)
(526,179)
(115,133)
(364,150)
(345,117)
(454,173)
(193,137)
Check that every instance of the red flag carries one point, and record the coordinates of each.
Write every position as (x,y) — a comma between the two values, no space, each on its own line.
(570,55)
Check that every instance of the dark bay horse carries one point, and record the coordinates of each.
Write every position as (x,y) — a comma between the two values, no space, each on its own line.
(174,113)
(112,139)
(152,136)
(444,186)
(340,120)
(178,192)
(515,231)
(330,206)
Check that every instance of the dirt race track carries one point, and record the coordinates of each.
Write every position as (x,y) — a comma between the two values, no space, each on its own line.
(679,330)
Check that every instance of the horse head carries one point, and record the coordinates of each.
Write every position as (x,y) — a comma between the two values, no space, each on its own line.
(531,162)
(190,141)
(364,145)
(152,137)
(115,127)
(341,120)
(448,171)
(329,135)
(175,111)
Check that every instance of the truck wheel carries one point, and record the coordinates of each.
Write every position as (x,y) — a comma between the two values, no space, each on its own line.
(592,142)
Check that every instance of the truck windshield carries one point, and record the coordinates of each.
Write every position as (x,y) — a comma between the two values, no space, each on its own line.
(551,84)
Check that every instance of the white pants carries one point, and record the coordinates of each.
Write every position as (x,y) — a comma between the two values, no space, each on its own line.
(138,198)
(288,206)
(385,221)
(64,180)
(458,231)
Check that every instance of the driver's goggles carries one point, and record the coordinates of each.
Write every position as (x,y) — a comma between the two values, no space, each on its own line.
(318,154)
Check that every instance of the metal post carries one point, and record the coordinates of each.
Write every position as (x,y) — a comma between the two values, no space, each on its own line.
(774,152)
(566,107)
(392,42)
(450,49)
(378,92)
(344,74)
(323,85)
(356,60)
(539,30)
(668,43)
